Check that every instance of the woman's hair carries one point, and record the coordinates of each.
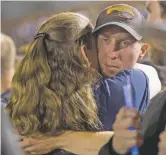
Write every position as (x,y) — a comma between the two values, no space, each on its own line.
(52,85)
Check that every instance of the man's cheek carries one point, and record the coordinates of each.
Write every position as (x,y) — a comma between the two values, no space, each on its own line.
(128,61)
(102,57)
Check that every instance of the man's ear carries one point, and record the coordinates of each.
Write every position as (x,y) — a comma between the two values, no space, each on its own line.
(144,50)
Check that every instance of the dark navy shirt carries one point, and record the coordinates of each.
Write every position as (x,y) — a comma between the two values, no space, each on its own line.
(110,97)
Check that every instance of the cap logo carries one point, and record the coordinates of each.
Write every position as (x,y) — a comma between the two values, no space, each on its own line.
(119,10)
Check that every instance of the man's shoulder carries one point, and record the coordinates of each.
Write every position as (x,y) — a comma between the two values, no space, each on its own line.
(145,68)
(122,76)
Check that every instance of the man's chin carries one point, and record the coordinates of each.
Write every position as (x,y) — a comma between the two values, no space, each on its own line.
(111,73)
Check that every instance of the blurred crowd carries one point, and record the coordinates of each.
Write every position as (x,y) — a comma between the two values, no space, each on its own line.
(13,52)
(154,12)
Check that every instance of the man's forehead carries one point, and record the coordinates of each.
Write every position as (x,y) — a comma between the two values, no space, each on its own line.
(110,30)
(118,35)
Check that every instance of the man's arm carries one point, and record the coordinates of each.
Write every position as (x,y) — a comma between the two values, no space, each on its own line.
(154,81)
(82,143)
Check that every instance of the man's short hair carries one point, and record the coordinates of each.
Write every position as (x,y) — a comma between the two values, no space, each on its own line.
(8,53)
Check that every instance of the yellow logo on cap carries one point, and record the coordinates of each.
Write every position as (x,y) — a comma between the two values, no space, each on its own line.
(120,9)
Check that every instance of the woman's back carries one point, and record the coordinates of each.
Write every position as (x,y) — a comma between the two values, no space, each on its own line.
(52,86)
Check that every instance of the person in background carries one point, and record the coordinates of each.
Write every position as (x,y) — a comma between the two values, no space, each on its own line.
(8,56)
(157,11)
(157,57)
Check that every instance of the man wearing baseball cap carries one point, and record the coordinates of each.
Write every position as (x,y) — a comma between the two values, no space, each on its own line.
(119,47)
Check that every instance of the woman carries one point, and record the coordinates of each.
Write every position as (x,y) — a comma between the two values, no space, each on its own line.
(52,85)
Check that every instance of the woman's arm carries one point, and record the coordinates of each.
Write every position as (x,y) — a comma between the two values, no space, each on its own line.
(82,143)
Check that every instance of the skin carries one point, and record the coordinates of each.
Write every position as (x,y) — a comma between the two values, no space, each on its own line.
(125,139)
(162,144)
(6,82)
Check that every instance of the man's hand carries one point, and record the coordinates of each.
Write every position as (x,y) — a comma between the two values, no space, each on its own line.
(124,139)
(162,144)
(82,143)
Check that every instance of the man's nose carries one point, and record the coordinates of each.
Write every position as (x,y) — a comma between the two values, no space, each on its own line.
(113,55)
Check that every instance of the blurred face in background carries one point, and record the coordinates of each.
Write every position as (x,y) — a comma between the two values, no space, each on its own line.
(117,50)
(157,11)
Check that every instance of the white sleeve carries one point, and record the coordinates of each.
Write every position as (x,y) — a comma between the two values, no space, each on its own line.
(154,81)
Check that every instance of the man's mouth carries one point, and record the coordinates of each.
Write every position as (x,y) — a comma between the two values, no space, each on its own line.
(111,66)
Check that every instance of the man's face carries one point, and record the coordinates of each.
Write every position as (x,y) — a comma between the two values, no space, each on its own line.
(117,50)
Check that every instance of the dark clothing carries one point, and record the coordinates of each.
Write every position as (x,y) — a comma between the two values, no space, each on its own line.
(9,144)
(59,152)
(110,97)
(5,97)
(153,124)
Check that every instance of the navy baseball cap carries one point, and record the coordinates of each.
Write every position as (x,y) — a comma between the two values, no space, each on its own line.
(122,15)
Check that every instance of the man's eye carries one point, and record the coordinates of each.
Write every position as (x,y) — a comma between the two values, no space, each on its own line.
(106,40)
(125,43)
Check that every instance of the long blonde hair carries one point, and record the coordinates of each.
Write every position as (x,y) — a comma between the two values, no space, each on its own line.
(52,85)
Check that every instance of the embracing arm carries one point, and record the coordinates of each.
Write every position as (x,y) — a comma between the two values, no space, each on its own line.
(154,81)
(82,143)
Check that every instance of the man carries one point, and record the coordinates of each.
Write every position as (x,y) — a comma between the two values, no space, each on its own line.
(119,47)
(8,54)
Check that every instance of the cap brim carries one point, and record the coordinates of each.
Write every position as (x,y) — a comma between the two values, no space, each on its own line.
(124,26)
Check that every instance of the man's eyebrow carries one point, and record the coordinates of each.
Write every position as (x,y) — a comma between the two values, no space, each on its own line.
(104,35)
(121,34)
